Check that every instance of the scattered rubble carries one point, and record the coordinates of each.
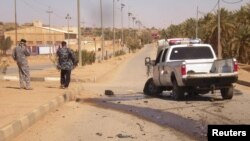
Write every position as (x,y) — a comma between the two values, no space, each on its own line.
(109,92)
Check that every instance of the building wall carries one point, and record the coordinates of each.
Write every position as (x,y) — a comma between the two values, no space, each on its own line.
(36,36)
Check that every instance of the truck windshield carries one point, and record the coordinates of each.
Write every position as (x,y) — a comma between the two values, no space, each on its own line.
(186,53)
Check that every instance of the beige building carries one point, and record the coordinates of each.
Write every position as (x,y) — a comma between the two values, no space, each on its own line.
(41,36)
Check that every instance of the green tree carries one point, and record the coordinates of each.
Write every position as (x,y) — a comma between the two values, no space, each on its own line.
(133,43)
(188,28)
(5,44)
(241,44)
(146,37)
(235,32)
(173,31)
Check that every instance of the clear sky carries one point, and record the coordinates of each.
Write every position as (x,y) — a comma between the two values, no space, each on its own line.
(152,13)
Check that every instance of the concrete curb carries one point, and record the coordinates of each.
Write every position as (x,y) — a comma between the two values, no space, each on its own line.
(56,79)
(16,127)
(11,130)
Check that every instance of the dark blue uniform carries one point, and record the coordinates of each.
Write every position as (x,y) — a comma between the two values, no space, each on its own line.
(66,62)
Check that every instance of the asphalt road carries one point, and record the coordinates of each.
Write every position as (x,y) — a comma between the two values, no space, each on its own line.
(14,70)
(129,115)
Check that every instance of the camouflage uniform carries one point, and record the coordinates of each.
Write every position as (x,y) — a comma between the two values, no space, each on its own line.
(66,62)
(19,55)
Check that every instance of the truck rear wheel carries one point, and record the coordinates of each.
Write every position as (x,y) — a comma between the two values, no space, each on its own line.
(151,89)
(178,92)
(227,93)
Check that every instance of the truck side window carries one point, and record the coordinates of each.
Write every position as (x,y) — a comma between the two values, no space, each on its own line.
(158,57)
(164,55)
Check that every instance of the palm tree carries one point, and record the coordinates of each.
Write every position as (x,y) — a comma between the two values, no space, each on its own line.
(235,32)
(172,31)
(210,28)
(188,28)
(241,41)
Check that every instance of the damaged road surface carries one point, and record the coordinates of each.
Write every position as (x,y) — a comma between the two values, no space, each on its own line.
(125,113)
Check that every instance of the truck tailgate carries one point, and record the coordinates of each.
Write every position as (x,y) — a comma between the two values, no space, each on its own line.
(198,66)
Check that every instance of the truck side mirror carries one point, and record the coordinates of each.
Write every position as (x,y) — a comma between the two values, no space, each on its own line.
(147,61)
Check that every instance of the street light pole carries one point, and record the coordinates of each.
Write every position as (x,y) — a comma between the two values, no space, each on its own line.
(219,33)
(129,14)
(15,22)
(79,33)
(102,38)
(113,27)
(133,18)
(49,11)
(68,18)
(122,6)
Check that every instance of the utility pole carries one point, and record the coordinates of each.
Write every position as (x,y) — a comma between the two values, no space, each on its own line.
(68,18)
(15,22)
(196,29)
(122,6)
(49,11)
(102,38)
(79,33)
(219,33)
(113,27)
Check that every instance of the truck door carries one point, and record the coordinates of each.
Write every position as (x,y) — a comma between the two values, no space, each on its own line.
(164,70)
(156,72)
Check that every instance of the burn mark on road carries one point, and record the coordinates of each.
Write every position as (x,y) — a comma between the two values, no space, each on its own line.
(194,129)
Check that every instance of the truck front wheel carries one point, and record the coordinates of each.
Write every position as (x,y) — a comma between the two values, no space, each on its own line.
(151,89)
(227,93)
(178,92)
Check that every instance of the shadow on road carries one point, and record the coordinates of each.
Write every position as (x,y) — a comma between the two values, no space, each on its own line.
(192,128)
(205,97)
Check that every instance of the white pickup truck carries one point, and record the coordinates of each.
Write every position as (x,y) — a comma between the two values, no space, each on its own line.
(191,69)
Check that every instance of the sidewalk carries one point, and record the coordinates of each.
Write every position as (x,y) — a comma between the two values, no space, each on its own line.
(21,108)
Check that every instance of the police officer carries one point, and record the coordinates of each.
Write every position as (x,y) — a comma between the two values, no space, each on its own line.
(19,55)
(66,62)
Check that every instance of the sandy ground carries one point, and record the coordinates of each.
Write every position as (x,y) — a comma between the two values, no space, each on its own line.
(88,122)
(221,112)
(45,91)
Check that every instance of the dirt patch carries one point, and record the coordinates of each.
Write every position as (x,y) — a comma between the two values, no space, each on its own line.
(245,67)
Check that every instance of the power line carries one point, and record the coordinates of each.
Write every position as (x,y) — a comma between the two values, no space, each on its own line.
(40,10)
(227,2)
(40,3)
(31,6)
(212,10)
(214,7)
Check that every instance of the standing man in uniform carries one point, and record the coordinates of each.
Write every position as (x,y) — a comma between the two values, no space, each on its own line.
(19,55)
(66,62)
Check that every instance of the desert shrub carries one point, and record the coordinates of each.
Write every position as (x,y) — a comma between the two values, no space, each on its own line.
(88,57)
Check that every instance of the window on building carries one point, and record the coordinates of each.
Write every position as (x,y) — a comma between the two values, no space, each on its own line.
(39,42)
(49,42)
